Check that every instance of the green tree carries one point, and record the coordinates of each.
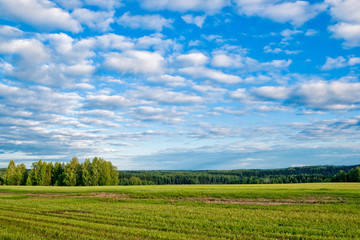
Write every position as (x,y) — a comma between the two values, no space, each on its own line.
(86,170)
(354,175)
(135,181)
(22,173)
(72,173)
(11,176)
(96,165)
(58,174)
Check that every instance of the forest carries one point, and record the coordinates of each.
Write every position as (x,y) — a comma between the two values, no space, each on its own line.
(99,172)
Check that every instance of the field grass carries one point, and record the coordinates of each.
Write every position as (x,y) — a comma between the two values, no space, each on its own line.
(286,211)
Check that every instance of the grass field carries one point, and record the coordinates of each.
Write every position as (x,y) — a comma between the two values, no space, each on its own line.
(287,211)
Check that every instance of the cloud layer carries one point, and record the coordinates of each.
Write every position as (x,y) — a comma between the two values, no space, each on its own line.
(166,84)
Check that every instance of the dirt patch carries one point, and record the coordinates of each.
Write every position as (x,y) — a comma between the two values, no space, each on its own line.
(268,202)
(109,195)
(5,193)
(68,211)
(79,195)
(239,201)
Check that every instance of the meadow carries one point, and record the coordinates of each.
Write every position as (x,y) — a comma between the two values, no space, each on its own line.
(276,211)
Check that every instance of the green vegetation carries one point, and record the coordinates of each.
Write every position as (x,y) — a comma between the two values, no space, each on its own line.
(277,211)
(307,174)
(352,176)
(100,172)
(97,172)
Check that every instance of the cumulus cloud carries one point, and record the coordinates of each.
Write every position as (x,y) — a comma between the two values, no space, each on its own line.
(107,102)
(206,130)
(148,113)
(339,62)
(102,4)
(198,20)
(39,13)
(39,99)
(71,50)
(165,96)
(225,59)
(276,93)
(316,95)
(10,32)
(295,12)
(268,49)
(30,50)
(148,22)
(174,81)
(208,6)
(191,59)
(100,20)
(347,13)
(204,72)
(134,61)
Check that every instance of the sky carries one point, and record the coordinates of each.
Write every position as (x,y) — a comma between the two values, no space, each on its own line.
(181,85)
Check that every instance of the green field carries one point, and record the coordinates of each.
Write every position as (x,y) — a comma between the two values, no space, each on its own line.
(287,211)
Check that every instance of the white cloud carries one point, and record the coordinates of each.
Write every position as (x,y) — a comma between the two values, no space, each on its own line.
(311,32)
(135,62)
(347,13)
(11,32)
(317,95)
(339,62)
(268,49)
(148,22)
(208,6)
(112,102)
(198,20)
(174,81)
(102,4)
(114,41)
(39,13)
(277,93)
(348,31)
(203,72)
(31,50)
(332,96)
(295,12)
(163,95)
(41,99)
(192,59)
(71,50)
(100,20)
(354,60)
(333,63)
(81,69)
(288,34)
(147,113)
(223,60)
(230,60)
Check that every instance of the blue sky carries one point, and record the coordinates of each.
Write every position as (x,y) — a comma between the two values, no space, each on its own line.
(166,84)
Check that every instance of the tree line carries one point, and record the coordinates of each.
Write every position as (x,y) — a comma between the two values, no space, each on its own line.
(97,172)
(307,174)
(100,172)
(353,175)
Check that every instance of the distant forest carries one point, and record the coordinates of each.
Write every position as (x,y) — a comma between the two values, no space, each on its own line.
(100,172)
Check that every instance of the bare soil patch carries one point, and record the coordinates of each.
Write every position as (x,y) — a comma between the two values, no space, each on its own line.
(68,211)
(239,201)
(268,202)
